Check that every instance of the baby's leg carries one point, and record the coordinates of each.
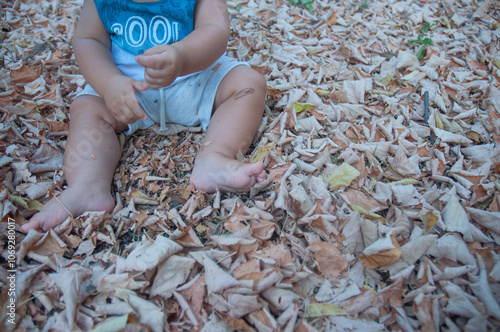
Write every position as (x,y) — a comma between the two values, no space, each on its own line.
(92,153)
(239,105)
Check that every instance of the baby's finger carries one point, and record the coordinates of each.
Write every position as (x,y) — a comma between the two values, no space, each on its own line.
(138,112)
(154,82)
(32,224)
(132,111)
(155,50)
(150,61)
(140,85)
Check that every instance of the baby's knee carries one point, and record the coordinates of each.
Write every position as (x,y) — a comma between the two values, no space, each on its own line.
(245,78)
(83,106)
(254,79)
(240,83)
(92,109)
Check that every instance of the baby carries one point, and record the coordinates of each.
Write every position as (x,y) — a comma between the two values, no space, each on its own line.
(150,62)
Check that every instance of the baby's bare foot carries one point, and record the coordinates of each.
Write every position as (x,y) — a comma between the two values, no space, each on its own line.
(73,201)
(215,171)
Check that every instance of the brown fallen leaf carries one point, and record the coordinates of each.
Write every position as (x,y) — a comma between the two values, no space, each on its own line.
(373,257)
(26,74)
(330,261)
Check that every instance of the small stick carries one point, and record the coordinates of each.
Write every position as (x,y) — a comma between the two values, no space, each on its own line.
(71,214)
(426,106)
(163,111)
(426,114)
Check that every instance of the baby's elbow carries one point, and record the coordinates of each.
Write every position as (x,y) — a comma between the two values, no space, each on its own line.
(223,33)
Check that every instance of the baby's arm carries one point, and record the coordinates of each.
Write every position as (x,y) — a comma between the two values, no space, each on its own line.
(195,52)
(92,51)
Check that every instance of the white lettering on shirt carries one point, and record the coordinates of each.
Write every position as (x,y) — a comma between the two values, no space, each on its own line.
(159,31)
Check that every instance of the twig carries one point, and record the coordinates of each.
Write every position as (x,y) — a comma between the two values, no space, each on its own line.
(71,214)
(426,114)
(426,106)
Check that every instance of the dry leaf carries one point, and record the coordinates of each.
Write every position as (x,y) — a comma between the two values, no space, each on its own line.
(26,74)
(70,281)
(216,278)
(148,255)
(330,261)
(342,176)
(425,175)
(316,309)
(149,314)
(382,252)
(171,273)
(456,219)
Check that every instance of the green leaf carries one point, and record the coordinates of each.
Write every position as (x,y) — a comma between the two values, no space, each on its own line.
(261,153)
(301,107)
(496,62)
(316,309)
(305,3)
(385,80)
(427,41)
(421,52)
(407,181)
(26,203)
(321,92)
(497,185)
(342,177)
(367,213)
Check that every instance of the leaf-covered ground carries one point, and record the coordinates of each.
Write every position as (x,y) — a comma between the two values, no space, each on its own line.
(381,207)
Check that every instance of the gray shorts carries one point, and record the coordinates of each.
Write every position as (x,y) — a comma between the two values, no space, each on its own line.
(188,101)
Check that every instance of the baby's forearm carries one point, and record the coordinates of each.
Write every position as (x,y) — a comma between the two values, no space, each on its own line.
(202,47)
(95,63)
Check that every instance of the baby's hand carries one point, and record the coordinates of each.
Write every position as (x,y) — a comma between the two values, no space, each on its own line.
(121,100)
(162,63)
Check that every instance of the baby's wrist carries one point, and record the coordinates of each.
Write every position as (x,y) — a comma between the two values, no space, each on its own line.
(180,59)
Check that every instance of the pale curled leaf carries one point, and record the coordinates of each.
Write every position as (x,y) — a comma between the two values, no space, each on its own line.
(114,324)
(416,248)
(280,298)
(456,219)
(70,281)
(110,282)
(483,291)
(489,220)
(459,302)
(149,314)
(448,137)
(148,255)
(216,278)
(452,247)
(242,305)
(171,273)
(187,309)
(384,243)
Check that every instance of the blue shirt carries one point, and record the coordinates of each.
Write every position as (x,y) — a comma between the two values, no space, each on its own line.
(136,27)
